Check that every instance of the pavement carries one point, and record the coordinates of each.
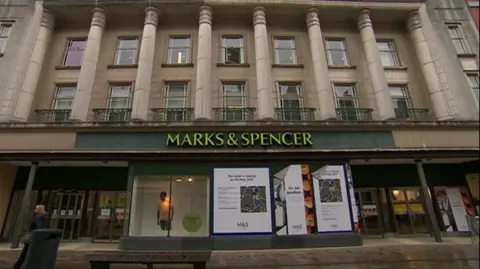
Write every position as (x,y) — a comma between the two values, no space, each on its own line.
(389,253)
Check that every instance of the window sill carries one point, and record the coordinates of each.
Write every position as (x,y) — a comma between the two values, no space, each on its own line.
(121,66)
(178,65)
(342,67)
(467,55)
(287,65)
(68,67)
(394,68)
(232,65)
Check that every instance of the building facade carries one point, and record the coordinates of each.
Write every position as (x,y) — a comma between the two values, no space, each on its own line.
(237,125)
(474,6)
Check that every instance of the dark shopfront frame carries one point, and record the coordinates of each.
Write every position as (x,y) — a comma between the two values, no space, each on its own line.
(229,158)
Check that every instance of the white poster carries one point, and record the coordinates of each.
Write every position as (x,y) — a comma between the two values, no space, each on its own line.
(331,200)
(241,201)
(458,209)
(290,204)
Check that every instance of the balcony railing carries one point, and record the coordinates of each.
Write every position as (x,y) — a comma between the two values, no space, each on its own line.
(411,114)
(52,115)
(172,114)
(295,114)
(354,114)
(112,115)
(234,114)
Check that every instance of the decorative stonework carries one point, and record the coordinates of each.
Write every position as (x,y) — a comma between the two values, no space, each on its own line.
(259,15)
(48,19)
(151,15)
(205,15)
(312,17)
(99,17)
(364,19)
(413,21)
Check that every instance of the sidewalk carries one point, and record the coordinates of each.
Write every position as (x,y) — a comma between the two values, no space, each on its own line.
(374,251)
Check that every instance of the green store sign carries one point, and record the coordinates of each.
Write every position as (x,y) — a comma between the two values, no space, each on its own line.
(250,139)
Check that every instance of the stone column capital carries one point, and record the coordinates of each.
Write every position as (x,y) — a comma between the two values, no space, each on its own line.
(205,15)
(363,19)
(48,19)
(151,15)
(259,15)
(99,17)
(413,22)
(312,17)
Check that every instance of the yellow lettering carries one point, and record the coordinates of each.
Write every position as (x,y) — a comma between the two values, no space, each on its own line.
(175,140)
(197,139)
(186,140)
(245,140)
(264,139)
(208,139)
(297,139)
(307,139)
(253,138)
(220,139)
(275,138)
(287,139)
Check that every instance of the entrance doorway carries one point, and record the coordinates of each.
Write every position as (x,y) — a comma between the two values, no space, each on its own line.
(109,212)
(409,211)
(66,213)
(369,211)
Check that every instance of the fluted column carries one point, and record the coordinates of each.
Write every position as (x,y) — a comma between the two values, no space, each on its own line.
(375,67)
(203,86)
(34,69)
(262,62)
(429,71)
(143,82)
(88,70)
(320,67)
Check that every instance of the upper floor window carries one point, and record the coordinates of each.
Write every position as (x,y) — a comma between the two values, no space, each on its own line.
(401,101)
(456,35)
(176,99)
(63,98)
(126,51)
(74,52)
(285,50)
(5,29)
(232,50)
(179,50)
(337,52)
(388,53)
(120,96)
(474,85)
(291,100)
(346,101)
(234,99)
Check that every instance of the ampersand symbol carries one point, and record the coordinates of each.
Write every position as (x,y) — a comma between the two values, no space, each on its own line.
(232,140)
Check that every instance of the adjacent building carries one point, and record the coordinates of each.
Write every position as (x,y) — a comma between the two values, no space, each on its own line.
(240,124)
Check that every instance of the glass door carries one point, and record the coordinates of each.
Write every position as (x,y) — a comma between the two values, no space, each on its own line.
(369,209)
(66,213)
(409,211)
(109,215)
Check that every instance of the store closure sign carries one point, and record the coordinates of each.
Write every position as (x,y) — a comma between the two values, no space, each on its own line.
(252,139)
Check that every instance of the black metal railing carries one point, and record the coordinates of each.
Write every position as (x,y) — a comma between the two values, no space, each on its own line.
(354,114)
(52,115)
(234,114)
(411,114)
(172,114)
(295,114)
(112,115)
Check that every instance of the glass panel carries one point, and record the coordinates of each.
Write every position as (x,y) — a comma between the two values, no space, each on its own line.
(285,43)
(175,102)
(383,46)
(119,216)
(453,30)
(344,91)
(234,102)
(125,56)
(120,91)
(233,89)
(370,217)
(459,47)
(290,91)
(401,212)
(387,58)
(105,213)
(127,43)
(232,55)
(176,89)
(77,45)
(335,45)
(397,91)
(88,217)
(338,58)
(2,43)
(179,55)
(286,56)
(5,31)
(63,104)
(292,104)
(236,42)
(179,42)
(119,103)
(65,92)
(73,58)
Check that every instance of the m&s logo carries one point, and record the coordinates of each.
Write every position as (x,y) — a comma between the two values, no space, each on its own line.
(242,224)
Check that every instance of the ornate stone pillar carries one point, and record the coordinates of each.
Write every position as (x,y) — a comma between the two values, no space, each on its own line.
(424,57)
(263,67)
(88,70)
(203,84)
(143,82)
(320,68)
(34,69)
(375,67)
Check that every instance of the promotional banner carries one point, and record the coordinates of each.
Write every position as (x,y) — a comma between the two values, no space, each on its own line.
(241,201)
(289,201)
(308,198)
(355,208)
(452,209)
(331,200)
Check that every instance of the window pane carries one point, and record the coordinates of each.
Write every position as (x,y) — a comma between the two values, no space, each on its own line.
(62,104)
(73,58)
(65,92)
(335,45)
(233,89)
(175,102)
(179,42)
(232,55)
(5,31)
(453,30)
(127,43)
(119,103)
(236,42)
(459,47)
(120,91)
(125,56)
(292,104)
(344,91)
(346,103)
(337,58)
(397,92)
(387,59)
(400,104)
(290,91)
(178,55)
(286,57)
(76,45)
(176,90)
(2,44)
(284,43)
(234,101)
(473,81)
(383,46)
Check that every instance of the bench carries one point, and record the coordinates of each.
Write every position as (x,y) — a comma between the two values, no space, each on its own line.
(103,259)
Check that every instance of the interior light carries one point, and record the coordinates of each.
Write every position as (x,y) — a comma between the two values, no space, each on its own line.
(396,192)
(190,179)
(179,180)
